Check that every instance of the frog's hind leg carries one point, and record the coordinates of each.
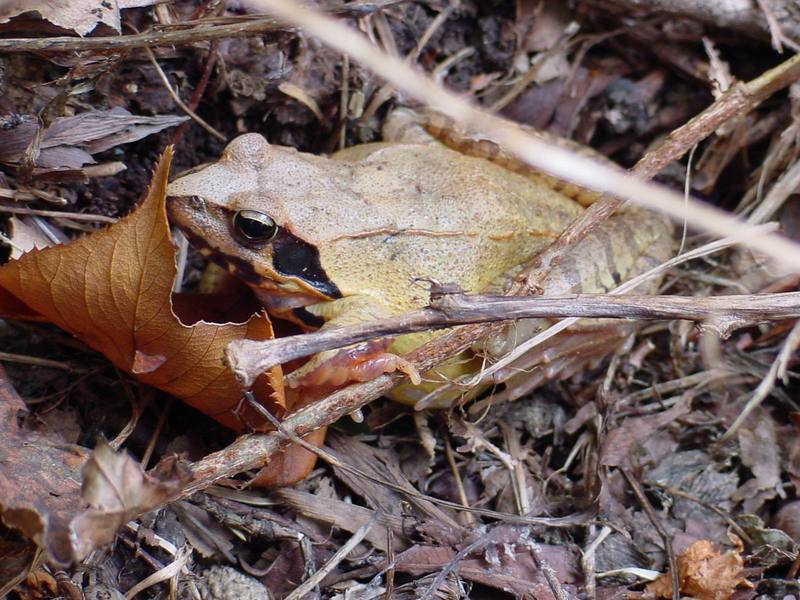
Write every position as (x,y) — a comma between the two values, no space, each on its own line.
(620,249)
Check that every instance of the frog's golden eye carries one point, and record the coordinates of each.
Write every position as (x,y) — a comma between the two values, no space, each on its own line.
(254,226)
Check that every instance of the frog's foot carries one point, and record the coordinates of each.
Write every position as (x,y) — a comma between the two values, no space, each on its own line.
(361,362)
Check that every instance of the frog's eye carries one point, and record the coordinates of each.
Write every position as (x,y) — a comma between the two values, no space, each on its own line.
(254,226)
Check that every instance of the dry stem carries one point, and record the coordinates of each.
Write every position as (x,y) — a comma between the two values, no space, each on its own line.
(781,20)
(201,33)
(723,313)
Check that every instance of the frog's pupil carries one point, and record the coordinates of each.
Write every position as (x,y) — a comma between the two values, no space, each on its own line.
(255,226)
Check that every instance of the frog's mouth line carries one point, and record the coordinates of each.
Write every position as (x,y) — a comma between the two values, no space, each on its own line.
(292,260)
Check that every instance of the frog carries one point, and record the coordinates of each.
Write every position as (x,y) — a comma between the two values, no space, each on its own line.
(331,241)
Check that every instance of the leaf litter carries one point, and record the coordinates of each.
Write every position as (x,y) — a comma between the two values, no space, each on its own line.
(82,16)
(566,454)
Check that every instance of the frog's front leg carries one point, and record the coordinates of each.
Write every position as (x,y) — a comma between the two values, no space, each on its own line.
(360,362)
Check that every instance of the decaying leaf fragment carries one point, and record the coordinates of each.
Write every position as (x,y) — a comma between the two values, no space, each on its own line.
(705,573)
(117,490)
(39,477)
(70,142)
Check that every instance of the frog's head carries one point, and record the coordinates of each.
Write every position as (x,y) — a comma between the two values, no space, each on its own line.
(254,213)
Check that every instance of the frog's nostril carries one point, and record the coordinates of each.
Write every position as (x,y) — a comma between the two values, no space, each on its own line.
(197,202)
(190,202)
(181,208)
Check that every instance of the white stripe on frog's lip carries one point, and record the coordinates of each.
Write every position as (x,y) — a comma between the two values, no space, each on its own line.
(278,302)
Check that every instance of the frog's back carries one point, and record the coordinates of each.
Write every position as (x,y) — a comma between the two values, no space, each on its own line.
(443,216)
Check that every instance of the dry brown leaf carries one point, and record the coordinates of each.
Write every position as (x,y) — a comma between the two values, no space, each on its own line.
(507,567)
(618,447)
(16,559)
(112,289)
(12,307)
(79,15)
(760,452)
(704,573)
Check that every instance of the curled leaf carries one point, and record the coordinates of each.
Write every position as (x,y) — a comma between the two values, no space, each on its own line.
(113,290)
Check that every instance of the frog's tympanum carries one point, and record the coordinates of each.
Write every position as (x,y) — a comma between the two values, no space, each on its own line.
(327,242)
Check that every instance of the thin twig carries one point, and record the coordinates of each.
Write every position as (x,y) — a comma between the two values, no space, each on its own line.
(177,99)
(40,362)
(388,594)
(588,561)
(549,573)
(139,40)
(198,91)
(18,210)
(784,187)
(151,444)
(469,519)
(452,564)
(250,358)
(241,28)
(767,383)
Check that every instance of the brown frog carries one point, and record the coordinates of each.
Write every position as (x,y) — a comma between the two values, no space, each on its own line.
(327,242)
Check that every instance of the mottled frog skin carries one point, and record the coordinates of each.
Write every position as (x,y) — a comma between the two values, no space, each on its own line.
(354,237)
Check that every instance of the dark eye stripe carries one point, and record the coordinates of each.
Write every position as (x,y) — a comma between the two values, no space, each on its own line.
(292,257)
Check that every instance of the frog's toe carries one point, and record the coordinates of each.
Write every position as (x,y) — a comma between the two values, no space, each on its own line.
(385,363)
(362,362)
